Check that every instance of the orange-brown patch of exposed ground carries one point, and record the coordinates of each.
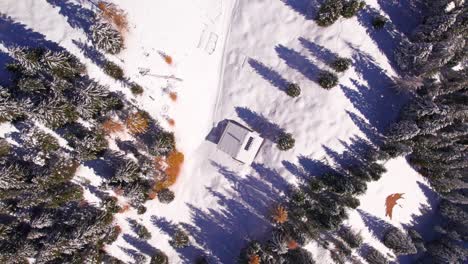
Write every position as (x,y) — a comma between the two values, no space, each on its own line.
(124,208)
(173,96)
(111,126)
(254,259)
(292,244)
(168,59)
(390,202)
(114,15)
(173,167)
(171,122)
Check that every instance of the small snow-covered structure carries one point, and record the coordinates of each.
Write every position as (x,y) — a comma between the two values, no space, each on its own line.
(240,142)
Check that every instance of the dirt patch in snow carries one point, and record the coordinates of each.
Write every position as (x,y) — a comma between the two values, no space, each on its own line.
(390,202)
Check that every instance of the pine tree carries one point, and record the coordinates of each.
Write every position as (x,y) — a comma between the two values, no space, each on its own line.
(329,12)
(280,214)
(27,59)
(375,257)
(137,123)
(180,239)
(399,242)
(165,196)
(105,37)
(159,258)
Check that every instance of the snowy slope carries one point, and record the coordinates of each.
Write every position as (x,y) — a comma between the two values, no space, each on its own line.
(231,61)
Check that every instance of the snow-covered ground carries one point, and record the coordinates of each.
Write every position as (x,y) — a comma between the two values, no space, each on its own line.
(231,60)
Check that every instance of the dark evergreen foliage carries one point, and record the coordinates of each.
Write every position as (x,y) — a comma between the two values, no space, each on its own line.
(113,70)
(293,90)
(350,8)
(44,214)
(341,64)
(180,239)
(329,12)
(166,196)
(159,258)
(327,80)
(285,141)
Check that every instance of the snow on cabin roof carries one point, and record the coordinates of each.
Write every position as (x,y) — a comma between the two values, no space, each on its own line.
(240,142)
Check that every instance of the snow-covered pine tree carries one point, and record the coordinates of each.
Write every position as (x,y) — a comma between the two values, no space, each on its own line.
(105,37)
(28,59)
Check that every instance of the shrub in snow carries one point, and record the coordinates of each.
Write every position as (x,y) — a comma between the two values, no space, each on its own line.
(341,64)
(350,8)
(141,209)
(136,89)
(328,80)
(164,144)
(141,231)
(353,239)
(137,123)
(379,22)
(375,257)
(398,241)
(293,90)
(329,12)
(280,214)
(159,258)
(285,141)
(105,37)
(113,70)
(180,239)
(166,196)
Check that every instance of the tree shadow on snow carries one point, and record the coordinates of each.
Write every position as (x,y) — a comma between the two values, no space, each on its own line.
(16,34)
(298,62)
(307,8)
(320,52)
(378,101)
(376,225)
(223,232)
(91,53)
(77,16)
(269,74)
(142,246)
(387,38)
(5,76)
(405,15)
(259,123)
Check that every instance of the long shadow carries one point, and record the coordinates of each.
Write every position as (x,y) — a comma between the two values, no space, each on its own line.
(269,74)
(188,254)
(377,101)
(16,34)
(139,244)
(223,232)
(425,222)
(298,62)
(321,53)
(387,39)
(77,16)
(259,123)
(91,53)
(369,131)
(307,8)
(405,15)
(5,76)
(376,225)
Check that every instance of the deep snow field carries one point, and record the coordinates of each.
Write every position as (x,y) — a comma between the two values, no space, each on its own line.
(231,61)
